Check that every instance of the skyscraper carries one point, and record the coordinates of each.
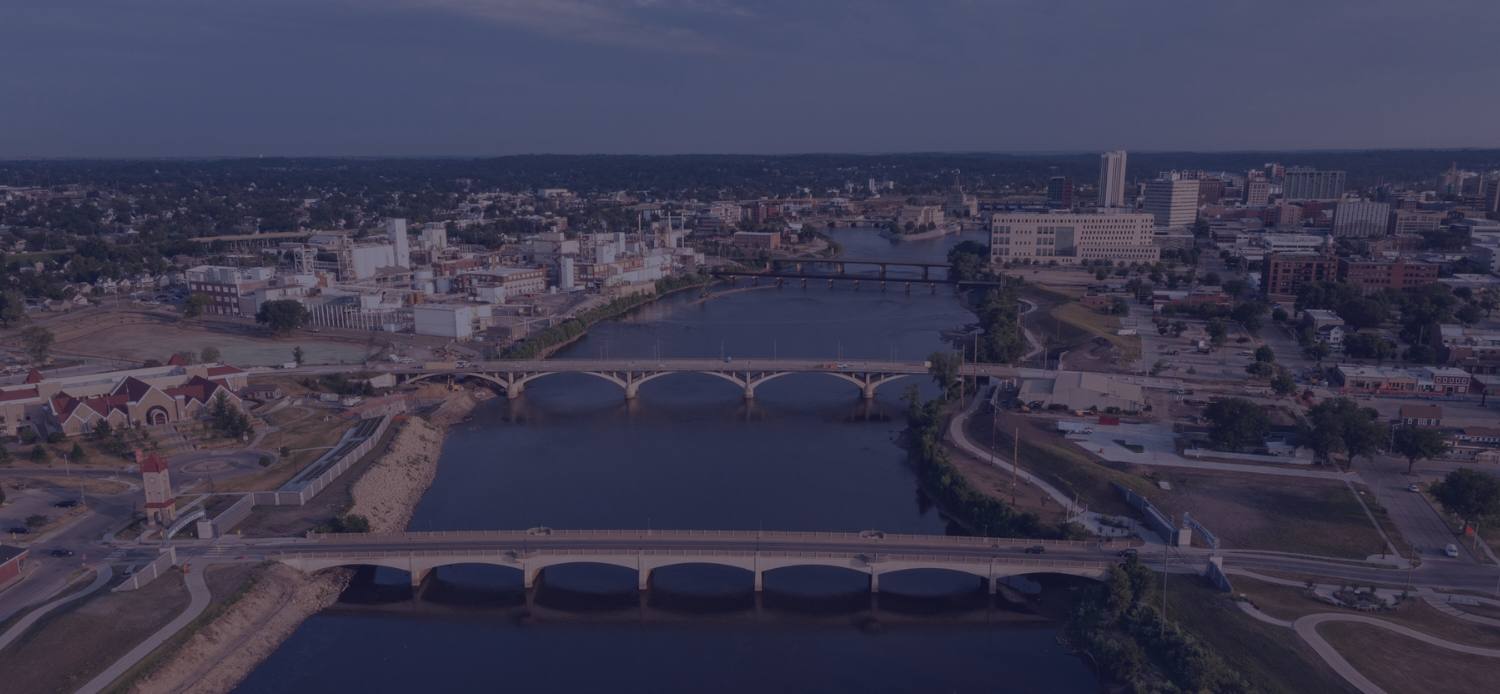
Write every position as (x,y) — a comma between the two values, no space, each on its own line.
(1060,193)
(1172,201)
(1112,179)
(1311,184)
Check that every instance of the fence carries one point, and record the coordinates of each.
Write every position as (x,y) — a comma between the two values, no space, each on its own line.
(148,573)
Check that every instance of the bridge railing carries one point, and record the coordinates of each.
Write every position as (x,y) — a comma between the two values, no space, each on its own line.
(874,541)
(583,553)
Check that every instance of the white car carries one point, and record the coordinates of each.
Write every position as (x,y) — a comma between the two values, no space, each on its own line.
(1451,550)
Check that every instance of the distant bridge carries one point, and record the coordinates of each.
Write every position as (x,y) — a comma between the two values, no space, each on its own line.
(512,376)
(643,551)
(804,269)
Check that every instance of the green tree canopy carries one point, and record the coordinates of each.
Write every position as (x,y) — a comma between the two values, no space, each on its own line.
(282,316)
(1469,494)
(1341,426)
(1417,443)
(1236,423)
(37,341)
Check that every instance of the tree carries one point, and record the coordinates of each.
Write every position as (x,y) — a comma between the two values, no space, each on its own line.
(1217,333)
(1317,351)
(968,260)
(77,455)
(209,355)
(944,369)
(39,454)
(1264,353)
(297,355)
(1279,315)
(1282,382)
(1341,426)
(12,308)
(194,305)
(1236,423)
(1415,443)
(282,316)
(37,341)
(1469,494)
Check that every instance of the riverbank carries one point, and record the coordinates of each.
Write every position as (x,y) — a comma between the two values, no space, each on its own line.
(547,342)
(223,652)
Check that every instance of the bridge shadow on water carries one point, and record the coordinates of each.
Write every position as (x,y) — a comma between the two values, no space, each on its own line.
(587,592)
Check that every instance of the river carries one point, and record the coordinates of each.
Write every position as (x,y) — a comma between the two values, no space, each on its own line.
(689,452)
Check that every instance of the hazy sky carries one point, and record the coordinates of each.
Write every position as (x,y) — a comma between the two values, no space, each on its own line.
(410,77)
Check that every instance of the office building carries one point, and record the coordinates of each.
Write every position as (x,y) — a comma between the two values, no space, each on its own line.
(1257,192)
(1172,201)
(1060,193)
(1070,238)
(1415,221)
(1361,218)
(1301,183)
(1286,273)
(1112,179)
(1374,275)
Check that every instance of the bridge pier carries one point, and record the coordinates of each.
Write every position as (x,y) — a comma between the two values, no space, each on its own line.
(643,580)
(631,390)
(760,581)
(513,391)
(874,581)
(529,577)
(749,392)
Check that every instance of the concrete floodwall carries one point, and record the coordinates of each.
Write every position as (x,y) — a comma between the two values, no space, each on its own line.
(321,482)
(148,573)
(1215,574)
(225,522)
(1155,519)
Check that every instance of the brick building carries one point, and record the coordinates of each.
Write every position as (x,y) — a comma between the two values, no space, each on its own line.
(1285,273)
(1374,275)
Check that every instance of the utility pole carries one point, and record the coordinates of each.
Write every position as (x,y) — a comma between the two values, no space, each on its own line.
(1015,464)
(1165,560)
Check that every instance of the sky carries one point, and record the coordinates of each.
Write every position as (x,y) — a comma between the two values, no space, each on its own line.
(152,78)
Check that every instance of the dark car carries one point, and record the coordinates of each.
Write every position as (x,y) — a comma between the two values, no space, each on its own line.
(19,530)
(1128,552)
(60,552)
(66,503)
(1036,549)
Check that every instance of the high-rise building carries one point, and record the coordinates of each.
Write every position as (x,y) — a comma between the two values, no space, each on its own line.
(1172,201)
(1302,183)
(1285,273)
(1070,238)
(395,228)
(1257,191)
(1361,218)
(1060,193)
(1415,221)
(1112,179)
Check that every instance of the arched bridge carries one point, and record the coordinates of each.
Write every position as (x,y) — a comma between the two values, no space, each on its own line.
(644,551)
(630,374)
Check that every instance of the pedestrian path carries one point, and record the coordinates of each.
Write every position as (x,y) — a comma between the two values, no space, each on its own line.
(199,599)
(101,577)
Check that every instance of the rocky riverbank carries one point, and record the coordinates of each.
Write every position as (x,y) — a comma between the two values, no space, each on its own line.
(223,652)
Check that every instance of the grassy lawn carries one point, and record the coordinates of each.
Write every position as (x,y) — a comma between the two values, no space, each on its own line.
(1271,657)
(1281,514)
(1100,325)
(1400,664)
(1058,462)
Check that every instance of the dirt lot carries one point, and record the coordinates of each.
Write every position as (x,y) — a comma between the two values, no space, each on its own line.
(138,335)
(68,647)
(1272,513)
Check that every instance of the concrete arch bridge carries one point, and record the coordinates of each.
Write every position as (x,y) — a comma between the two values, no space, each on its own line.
(531,553)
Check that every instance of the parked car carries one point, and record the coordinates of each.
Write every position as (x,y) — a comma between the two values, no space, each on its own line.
(1036,549)
(66,503)
(1413,488)
(1128,552)
(60,552)
(19,530)
(1451,550)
